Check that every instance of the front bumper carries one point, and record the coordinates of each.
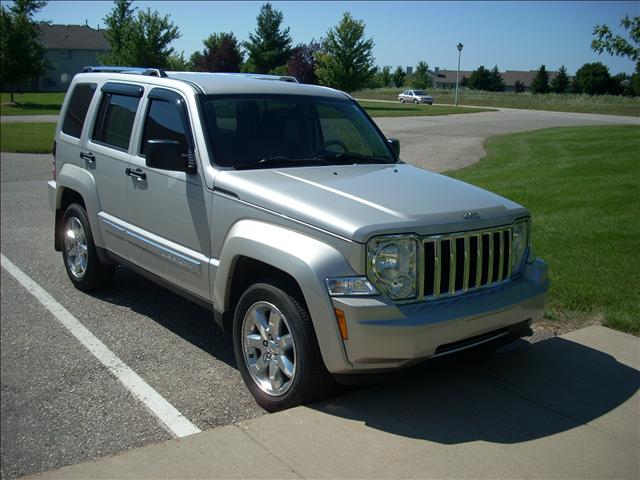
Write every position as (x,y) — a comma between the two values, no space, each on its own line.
(384,336)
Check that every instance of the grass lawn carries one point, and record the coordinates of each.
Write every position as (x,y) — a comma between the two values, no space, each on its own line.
(27,137)
(384,109)
(31,103)
(582,186)
(606,104)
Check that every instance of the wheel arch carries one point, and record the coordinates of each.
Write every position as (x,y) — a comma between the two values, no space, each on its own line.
(76,185)
(256,250)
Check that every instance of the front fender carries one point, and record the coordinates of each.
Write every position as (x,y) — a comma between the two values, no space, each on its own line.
(81,181)
(308,260)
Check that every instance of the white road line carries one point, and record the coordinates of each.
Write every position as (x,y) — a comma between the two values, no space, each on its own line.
(169,416)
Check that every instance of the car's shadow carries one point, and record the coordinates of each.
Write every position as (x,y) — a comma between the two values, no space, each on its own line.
(515,394)
(509,396)
(175,313)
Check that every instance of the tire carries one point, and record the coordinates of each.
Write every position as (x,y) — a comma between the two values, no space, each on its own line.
(415,101)
(402,100)
(257,348)
(81,261)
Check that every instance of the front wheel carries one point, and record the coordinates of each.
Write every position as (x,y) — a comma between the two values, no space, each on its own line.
(81,260)
(276,348)
(415,101)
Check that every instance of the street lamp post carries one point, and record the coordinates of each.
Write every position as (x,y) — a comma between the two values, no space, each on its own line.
(458,72)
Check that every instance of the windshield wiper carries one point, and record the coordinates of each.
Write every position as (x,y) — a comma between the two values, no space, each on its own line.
(346,158)
(282,161)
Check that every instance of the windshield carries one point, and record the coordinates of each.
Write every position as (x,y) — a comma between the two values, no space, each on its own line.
(419,92)
(253,131)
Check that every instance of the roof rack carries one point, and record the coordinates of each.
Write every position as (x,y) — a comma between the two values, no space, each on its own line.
(151,72)
(264,76)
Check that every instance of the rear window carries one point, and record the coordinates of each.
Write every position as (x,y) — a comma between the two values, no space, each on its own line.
(115,120)
(77,109)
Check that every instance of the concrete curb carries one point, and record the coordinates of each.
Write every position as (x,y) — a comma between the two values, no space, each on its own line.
(566,407)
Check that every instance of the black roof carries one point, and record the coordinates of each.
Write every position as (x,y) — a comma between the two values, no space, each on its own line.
(72,37)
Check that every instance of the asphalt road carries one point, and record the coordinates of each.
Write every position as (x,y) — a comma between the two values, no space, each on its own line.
(59,405)
(442,143)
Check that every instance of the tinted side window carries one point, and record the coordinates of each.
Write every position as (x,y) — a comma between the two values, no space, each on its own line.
(77,109)
(163,122)
(115,119)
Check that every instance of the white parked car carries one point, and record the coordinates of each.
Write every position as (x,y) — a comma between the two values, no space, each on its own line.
(415,96)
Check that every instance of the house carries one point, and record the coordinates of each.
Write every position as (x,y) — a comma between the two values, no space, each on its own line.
(69,48)
(447,78)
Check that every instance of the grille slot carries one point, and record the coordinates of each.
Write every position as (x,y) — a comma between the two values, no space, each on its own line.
(454,264)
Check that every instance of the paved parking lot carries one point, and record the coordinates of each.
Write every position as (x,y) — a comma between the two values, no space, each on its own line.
(60,405)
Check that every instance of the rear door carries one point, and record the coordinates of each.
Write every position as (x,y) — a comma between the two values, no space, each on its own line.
(107,156)
(169,211)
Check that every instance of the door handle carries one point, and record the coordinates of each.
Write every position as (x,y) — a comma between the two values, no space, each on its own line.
(138,174)
(88,156)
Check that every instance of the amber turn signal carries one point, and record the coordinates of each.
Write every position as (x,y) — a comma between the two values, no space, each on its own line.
(342,323)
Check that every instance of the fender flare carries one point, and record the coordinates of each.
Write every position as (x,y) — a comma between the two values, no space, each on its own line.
(81,181)
(306,259)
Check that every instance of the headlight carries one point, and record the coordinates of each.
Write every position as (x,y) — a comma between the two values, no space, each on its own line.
(347,286)
(392,266)
(519,244)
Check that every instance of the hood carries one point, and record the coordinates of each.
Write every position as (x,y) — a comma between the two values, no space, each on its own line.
(359,201)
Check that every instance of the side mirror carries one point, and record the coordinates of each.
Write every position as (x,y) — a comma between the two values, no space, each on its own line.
(166,155)
(395,146)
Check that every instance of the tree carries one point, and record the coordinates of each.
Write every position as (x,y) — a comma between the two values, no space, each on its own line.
(480,79)
(119,23)
(177,63)
(302,63)
(592,79)
(560,83)
(422,79)
(519,87)
(139,40)
(221,54)
(270,46)
(497,82)
(540,82)
(398,77)
(385,76)
(346,58)
(606,41)
(22,56)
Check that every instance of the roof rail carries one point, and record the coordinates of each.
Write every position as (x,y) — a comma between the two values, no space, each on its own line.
(152,72)
(264,76)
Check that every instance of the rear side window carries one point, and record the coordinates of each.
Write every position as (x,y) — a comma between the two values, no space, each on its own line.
(77,109)
(163,122)
(115,120)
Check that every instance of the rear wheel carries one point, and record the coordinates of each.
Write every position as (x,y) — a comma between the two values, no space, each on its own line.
(81,260)
(276,349)
(415,101)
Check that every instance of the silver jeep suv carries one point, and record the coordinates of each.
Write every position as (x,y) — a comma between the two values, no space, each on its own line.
(284,210)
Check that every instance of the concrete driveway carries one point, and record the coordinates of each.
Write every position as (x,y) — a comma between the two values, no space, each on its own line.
(447,142)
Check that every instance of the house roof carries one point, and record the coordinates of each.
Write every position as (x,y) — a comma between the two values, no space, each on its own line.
(72,37)
(510,77)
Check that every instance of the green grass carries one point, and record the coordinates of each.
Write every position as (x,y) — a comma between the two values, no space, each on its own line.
(31,103)
(583,188)
(606,104)
(384,109)
(27,137)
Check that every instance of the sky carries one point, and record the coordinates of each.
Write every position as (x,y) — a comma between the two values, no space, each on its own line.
(512,35)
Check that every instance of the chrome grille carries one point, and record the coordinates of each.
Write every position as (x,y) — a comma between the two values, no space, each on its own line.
(460,262)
